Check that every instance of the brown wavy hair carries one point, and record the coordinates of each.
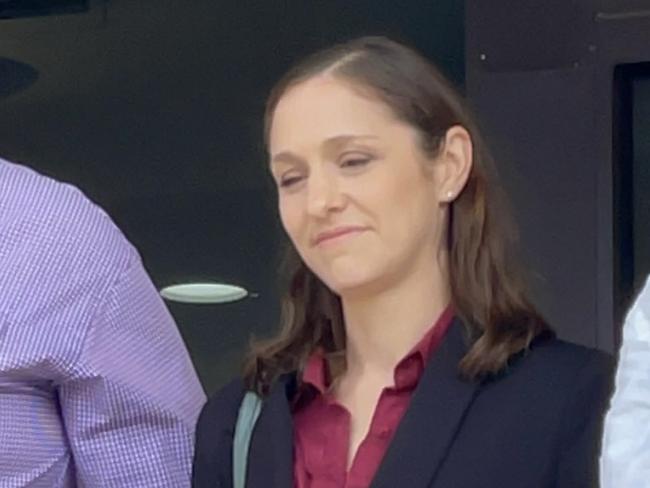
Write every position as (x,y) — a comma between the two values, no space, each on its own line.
(486,286)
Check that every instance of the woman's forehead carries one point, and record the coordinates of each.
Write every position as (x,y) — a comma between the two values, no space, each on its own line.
(322,108)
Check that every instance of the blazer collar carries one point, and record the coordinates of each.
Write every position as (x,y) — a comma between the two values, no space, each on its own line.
(419,446)
(434,415)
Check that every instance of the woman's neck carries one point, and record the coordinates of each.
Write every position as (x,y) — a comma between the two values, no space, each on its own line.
(382,327)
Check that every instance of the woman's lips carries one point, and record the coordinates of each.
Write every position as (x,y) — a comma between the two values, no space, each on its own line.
(335,233)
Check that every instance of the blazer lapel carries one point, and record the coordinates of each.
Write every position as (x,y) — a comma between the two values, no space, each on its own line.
(270,459)
(429,426)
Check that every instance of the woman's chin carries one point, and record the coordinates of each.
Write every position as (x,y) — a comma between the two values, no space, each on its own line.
(351,285)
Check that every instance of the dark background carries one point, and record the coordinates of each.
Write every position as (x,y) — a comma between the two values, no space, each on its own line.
(562,89)
(154,108)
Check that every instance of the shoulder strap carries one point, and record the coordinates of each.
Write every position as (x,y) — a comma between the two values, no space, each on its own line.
(249,411)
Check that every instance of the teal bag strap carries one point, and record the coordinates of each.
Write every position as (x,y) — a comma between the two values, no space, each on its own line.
(249,411)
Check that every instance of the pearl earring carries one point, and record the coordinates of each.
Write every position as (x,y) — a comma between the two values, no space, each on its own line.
(450,195)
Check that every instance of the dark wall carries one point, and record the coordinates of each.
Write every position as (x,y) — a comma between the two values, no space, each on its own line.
(541,77)
(154,109)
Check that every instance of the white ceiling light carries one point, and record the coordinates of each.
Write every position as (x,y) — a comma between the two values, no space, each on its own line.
(201,293)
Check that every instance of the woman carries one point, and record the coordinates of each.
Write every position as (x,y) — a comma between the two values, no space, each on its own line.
(409,354)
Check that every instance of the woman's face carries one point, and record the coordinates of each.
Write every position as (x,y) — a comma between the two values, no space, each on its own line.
(359,199)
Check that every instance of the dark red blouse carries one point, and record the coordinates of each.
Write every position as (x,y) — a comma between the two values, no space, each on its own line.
(322,425)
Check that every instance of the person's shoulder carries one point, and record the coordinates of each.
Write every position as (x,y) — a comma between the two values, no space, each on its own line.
(57,218)
(562,355)
(551,376)
(557,365)
(214,435)
(29,195)
(220,411)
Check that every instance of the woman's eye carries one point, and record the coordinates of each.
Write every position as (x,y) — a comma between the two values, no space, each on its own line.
(289,181)
(354,162)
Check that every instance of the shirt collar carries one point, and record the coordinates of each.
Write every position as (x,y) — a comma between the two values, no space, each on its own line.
(407,371)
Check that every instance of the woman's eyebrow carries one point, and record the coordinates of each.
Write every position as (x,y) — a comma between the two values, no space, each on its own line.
(286,157)
(330,143)
(341,140)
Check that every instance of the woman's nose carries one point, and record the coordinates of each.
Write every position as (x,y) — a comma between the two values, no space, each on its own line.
(324,195)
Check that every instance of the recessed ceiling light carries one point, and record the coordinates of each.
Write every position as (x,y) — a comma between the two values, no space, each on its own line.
(201,293)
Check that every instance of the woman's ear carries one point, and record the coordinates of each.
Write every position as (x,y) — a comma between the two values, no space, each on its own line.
(455,160)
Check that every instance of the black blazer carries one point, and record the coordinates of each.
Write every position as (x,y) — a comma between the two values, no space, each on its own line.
(538,425)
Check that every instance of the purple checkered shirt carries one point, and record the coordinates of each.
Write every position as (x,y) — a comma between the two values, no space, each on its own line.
(96,386)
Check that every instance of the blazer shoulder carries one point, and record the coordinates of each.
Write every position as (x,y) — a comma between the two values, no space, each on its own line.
(585,380)
(563,356)
(220,411)
(559,366)
(213,438)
